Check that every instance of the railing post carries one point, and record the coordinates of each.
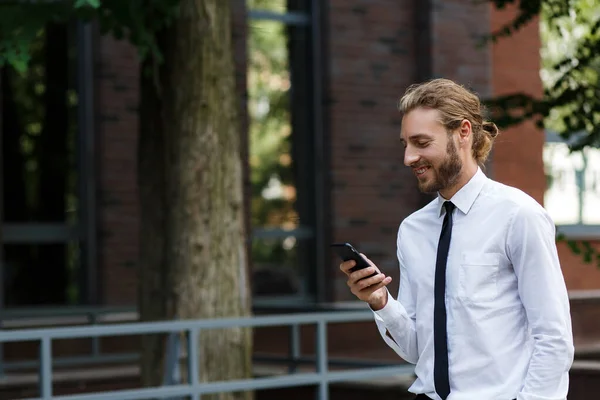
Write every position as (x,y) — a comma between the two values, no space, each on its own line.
(294,348)
(193,355)
(46,368)
(1,360)
(95,342)
(1,344)
(172,374)
(323,392)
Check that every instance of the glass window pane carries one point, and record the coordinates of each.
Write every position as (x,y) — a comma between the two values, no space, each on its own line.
(41,274)
(591,195)
(39,130)
(39,174)
(273,183)
(278,6)
(279,267)
(282,172)
(573,192)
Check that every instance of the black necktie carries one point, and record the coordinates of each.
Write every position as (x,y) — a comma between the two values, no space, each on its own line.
(440,339)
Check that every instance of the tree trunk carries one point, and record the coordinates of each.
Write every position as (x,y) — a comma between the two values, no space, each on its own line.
(193,262)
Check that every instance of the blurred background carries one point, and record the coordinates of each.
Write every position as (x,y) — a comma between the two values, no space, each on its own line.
(318,84)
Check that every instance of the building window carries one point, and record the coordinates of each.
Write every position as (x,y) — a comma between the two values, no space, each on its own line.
(43,243)
(281,140)
(573,191)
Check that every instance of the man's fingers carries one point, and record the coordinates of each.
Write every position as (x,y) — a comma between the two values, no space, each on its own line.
(366,292)
(367,258)
(356,276)
(363,273)
(366,282)
(370,262)
(346,265)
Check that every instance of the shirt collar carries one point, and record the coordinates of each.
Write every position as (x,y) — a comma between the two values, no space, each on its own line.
(465,197)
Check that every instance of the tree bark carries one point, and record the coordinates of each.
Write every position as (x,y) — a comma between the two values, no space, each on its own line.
(193,261)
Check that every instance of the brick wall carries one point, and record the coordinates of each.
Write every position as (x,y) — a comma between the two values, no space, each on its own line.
(373,60)
(117,103)
(517,156)
(578,274)
(457,26)
(456,50)
(516,63)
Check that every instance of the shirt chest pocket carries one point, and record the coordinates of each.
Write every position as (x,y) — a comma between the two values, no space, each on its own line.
(478,276)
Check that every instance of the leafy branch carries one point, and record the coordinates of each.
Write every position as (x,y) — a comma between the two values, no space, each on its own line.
(582,248)
(575,91)
(573,96)
(138,21)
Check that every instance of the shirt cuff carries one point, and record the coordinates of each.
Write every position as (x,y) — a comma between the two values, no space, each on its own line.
(391,311)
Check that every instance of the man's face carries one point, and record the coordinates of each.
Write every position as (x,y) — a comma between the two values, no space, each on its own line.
(430,151)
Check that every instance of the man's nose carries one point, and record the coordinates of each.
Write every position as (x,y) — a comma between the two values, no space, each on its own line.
(410,156)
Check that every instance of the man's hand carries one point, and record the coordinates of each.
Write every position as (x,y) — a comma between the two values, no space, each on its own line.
(371,290)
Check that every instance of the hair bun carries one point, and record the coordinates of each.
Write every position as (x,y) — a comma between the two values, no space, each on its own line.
(491,129)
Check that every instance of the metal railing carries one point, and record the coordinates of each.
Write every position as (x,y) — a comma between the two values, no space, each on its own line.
(322,376)
(67,316)
(78,315)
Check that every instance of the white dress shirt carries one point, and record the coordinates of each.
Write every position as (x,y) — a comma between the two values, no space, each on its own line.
(509,325)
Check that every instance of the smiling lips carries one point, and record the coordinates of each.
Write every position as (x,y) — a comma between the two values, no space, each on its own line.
(420,170)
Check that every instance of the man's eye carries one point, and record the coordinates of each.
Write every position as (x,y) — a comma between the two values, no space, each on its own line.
(422,144)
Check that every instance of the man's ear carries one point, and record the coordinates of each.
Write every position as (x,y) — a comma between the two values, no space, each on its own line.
(464,132)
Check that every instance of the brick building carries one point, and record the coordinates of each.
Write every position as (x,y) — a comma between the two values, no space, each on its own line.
(364,55)
(350,61)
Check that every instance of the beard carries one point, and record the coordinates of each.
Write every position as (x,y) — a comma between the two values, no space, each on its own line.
(446,174)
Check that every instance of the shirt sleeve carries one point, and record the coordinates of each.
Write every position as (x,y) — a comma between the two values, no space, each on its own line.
(532,249)
(396,321)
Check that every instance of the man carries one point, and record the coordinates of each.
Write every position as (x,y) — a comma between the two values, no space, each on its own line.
(482,308)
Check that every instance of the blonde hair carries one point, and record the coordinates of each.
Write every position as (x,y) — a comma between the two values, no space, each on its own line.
(455,104)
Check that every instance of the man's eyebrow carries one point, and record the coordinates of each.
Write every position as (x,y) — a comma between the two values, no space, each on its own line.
(417,136)
(420,136)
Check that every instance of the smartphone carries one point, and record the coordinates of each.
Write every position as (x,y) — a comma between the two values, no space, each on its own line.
(347,252)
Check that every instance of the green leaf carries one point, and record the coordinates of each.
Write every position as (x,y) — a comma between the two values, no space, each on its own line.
(19,26)
(20,63)
(137,21)
(87,3)
(574,246)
